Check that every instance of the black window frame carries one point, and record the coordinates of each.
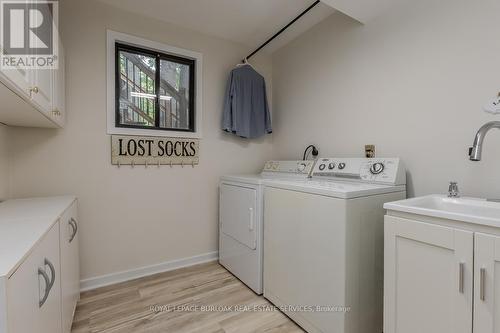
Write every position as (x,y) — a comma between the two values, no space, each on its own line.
(158,57)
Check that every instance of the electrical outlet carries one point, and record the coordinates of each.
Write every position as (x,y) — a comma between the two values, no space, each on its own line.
(370,151)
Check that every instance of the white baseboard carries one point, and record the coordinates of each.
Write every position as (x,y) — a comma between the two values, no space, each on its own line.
(108,279)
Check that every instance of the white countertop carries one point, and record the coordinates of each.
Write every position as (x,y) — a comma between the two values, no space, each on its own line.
(23,223)
(469,210)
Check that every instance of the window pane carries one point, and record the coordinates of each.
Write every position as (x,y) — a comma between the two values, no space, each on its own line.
(174,95)
(137,89)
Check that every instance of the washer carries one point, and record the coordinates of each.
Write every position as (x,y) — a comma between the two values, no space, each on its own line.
(241,218)
(323,244)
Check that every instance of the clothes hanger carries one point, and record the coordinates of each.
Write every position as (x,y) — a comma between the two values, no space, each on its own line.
(244,63)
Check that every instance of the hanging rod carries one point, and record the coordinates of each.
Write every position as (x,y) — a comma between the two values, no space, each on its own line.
(282,29)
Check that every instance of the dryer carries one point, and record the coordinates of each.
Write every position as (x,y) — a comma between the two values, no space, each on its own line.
(323,243)
(241,218)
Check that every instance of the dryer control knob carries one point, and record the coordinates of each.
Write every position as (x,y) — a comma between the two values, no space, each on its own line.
(341,166)
(322,167)
(301,167)
(331,166)
(377,168)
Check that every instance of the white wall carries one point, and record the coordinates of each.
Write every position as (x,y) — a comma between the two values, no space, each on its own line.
(132,217)
(4,163)
(412,82)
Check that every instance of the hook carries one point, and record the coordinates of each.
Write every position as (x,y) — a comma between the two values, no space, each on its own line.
(158,163)
(182,164)
(118,162)
(171,163)
(133,163)
(192,164)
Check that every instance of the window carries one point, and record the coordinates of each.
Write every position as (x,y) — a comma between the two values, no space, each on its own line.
(153,89)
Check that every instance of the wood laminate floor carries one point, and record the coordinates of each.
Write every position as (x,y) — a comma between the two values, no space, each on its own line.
(199,299)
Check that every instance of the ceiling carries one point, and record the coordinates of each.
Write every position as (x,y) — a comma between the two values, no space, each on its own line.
(249,22)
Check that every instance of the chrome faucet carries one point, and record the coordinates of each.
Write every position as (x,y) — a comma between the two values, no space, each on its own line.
(453,191)
(476,150)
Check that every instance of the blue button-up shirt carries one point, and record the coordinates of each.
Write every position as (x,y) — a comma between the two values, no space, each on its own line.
(246,111)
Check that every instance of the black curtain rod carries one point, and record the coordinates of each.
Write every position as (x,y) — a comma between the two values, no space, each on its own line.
(283,29)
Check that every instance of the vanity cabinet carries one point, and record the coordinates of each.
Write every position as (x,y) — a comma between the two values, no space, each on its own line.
(39,265)
(441,276)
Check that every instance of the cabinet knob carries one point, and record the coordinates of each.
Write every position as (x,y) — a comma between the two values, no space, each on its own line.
(34,89)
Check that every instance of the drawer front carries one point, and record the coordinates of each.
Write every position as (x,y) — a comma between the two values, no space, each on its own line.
(70,266)
(34,290)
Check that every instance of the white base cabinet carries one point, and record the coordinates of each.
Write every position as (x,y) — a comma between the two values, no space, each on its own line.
(440,276)
(38,294)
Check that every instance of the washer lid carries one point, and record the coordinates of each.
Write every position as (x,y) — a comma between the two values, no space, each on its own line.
(337,189)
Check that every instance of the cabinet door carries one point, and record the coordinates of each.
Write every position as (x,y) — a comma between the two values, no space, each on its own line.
(487,284)
(428,278)
(41,93)
(58,90)
(27,287)
(70,267)
(24,290)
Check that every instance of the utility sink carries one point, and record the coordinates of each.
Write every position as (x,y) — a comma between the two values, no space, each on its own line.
(472,210)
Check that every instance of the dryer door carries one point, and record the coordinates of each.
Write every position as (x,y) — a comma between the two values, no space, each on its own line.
(238,218)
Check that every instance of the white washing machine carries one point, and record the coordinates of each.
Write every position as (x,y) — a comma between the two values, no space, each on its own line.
(241,218)
(323,244)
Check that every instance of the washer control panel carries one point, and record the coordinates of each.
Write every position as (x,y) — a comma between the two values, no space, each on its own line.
(371,170)
(296,167)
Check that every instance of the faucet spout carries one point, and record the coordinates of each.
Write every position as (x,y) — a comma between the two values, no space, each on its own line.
(477,149)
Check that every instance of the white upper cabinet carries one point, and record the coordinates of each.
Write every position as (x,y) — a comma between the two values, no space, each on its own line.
(34,97)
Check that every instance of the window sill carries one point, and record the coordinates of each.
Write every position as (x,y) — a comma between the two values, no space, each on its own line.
(153,132)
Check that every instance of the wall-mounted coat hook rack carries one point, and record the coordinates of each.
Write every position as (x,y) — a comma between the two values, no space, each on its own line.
(148,162)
